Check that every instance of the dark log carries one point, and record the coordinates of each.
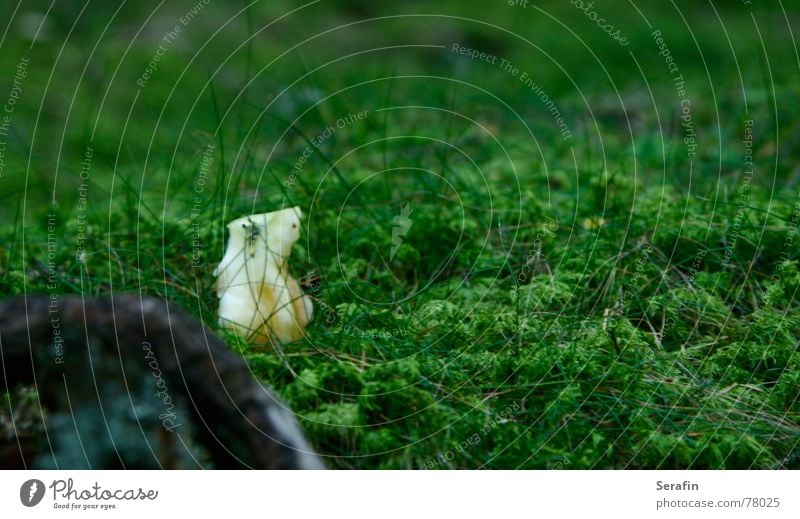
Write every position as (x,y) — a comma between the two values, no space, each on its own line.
(135,382)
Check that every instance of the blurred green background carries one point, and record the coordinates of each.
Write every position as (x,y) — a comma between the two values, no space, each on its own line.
(235,68)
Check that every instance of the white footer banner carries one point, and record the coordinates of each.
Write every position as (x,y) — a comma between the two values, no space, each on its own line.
(389,494)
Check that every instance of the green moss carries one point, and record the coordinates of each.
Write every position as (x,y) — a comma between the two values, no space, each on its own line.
(625,301)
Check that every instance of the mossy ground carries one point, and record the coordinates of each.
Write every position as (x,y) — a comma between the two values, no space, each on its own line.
(618,299)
